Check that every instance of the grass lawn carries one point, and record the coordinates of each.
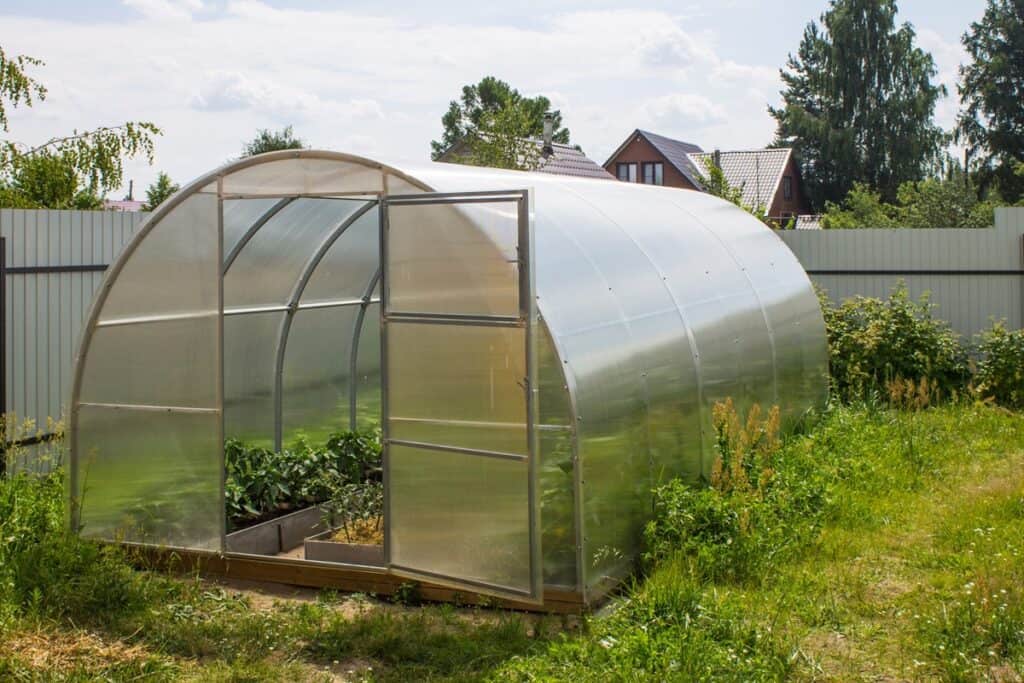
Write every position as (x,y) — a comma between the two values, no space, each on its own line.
(888,550)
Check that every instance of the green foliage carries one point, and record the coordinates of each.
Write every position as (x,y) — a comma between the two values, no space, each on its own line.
(50,181)
(72,171)
(858,103)
(159,191)
(272,141)
(992,121)
(950,202)
(1000,371)
(762,503)
(492,119)
(16,86)
(873,343)
(261,482)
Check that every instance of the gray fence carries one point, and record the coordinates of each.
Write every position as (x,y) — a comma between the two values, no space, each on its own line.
(52,263)
(973,275)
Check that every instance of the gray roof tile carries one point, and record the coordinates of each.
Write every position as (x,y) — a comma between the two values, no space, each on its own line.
(757,172)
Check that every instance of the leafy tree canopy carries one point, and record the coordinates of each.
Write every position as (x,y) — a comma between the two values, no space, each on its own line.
(992,90)
(272,141)
(161,188)
(948,202)
(858,103)
(71,171)
(493,123)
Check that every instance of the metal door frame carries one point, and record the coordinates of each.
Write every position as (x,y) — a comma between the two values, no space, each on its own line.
(527,319)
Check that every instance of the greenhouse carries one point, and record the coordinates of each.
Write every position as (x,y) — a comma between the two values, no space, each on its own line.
(537,352)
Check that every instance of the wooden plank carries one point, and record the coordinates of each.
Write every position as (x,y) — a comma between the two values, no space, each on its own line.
(349,579)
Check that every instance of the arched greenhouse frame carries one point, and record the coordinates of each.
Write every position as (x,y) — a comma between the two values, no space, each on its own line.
(539,352)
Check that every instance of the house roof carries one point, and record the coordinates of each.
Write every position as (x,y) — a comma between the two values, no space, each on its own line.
(757,172)
(676,152)
(123,205)
(566,160)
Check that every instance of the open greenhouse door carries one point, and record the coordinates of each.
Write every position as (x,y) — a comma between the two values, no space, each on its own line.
(459,375)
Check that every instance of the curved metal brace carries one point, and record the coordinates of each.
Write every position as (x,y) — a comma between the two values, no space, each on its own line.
(251,232)
(293,305)
(357,330)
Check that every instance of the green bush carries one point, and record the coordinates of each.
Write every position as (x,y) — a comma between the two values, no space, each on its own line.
(261,482)
(1000,372)
(874,343)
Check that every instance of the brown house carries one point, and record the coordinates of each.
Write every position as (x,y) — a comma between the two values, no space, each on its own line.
(646,157)
(769,178)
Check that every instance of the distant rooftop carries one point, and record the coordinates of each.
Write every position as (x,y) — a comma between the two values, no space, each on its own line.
(565,160)
(122,205)
(757,172)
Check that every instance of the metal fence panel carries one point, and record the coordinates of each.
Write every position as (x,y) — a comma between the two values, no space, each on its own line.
(973,276)
(53,262)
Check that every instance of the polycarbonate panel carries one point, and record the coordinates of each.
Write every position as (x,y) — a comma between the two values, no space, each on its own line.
(150,477)
(556,471)
(269,266)
(316,396)
(460,515)
(174,269)
(240,215)
(368,415)
(458,385)
(170,363)
(250,343)
(453,259)
(306,175)
(348,266)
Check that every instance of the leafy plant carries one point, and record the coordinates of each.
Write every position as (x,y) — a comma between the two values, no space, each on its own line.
(1000,372)
(874,342)
(356,509)
(261,482)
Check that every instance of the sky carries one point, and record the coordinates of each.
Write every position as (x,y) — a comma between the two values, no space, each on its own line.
(374,78)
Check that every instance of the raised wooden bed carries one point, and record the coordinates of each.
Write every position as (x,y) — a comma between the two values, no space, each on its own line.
(322,549)
(277,535)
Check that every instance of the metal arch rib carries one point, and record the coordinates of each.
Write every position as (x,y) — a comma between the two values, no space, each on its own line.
(293,303)
(251,232)
(357,330)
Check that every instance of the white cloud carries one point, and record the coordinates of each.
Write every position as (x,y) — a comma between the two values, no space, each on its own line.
(165,9)
(225,91)
(682,110)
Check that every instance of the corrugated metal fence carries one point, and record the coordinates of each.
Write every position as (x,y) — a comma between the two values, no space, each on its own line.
(973,275)
(53,261)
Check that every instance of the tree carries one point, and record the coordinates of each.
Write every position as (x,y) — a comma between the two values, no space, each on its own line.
(159,191)
(493,122)
(991,90)
(858,103)
(71,171)
(947,202)
(272,141)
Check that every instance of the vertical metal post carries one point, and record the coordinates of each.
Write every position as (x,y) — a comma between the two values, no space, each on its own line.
(385,218)
(220,367)
(3,354)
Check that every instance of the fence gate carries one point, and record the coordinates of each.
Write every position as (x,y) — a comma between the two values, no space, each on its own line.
(458,321)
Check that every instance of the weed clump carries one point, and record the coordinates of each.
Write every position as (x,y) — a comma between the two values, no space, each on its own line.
(763,501)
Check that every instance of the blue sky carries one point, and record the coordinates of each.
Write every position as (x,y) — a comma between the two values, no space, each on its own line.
(374,78)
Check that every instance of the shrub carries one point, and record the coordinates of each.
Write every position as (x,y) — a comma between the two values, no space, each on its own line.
(1000,373)
(873,343)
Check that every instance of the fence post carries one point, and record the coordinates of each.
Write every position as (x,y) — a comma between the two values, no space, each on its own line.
(3,355)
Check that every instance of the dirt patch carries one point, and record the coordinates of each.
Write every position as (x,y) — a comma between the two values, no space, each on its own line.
(58,652)
(362,531)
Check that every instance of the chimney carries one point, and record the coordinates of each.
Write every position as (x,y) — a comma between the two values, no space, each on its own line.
(549,130)
(131,191)
(716,158)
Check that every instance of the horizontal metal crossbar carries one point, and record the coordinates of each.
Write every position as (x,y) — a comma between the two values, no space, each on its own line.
(46,270)
(500,455)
